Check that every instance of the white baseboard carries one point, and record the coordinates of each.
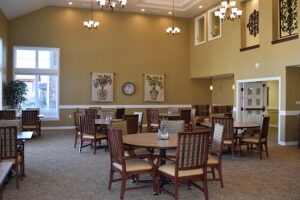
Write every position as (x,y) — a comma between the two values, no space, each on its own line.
(288,143)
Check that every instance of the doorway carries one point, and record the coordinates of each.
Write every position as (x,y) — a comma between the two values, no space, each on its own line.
(256,97)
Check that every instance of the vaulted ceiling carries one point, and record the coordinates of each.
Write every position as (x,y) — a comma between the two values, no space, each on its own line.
(183,8)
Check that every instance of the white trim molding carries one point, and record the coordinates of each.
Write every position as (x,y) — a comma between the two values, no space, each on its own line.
(126,106)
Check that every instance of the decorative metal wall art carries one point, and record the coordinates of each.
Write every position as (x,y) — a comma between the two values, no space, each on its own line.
(288,17)
(253,23)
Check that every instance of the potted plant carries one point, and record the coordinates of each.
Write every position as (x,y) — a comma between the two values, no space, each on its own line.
(154,82)
(102,80)
(14,94)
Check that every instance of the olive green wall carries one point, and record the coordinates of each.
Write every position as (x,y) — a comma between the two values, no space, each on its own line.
(3,50)
(223,56)
(126,44)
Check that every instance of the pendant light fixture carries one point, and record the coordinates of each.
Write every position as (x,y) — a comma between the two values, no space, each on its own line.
(228,11)
(112,4)
(91,23)
(172,29)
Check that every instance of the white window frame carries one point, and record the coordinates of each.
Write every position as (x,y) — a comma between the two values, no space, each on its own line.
(39,71)
(197,29)
(210,25)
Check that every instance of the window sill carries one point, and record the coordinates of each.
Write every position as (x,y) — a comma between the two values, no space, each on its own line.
(294,37)
(249,48)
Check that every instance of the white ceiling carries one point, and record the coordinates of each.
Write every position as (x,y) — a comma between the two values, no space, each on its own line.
(183,8)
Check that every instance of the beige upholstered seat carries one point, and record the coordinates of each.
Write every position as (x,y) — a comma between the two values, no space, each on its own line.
(215,157)
(126,166)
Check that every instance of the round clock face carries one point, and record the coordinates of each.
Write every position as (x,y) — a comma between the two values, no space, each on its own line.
(128,88)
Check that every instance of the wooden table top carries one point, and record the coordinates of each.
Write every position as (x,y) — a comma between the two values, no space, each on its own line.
(150,140)
(5,168)
(25,135)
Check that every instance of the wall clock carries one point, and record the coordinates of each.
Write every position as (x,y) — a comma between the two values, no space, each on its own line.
(128,88)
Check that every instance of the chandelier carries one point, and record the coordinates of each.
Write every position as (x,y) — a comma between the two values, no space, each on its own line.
(112,3)
(91,23)
(172,29)
(228,11)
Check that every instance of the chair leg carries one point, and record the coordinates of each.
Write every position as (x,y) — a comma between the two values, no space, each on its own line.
(123,187)
(76,136)
(176,188)
(111,175)
(95,146)
(205,190)
(266,146)
(260,150)
(220,175)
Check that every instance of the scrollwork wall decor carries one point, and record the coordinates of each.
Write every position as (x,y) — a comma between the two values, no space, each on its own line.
(253,23)
(288,17)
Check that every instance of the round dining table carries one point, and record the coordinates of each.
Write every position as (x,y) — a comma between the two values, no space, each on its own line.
(149,140)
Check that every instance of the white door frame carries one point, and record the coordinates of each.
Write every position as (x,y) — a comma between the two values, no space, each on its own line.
(238,102)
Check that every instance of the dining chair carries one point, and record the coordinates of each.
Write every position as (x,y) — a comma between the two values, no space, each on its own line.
(10,151)
(119,113)
(260,139)
(30,121)
(152,120)
(126,166)
(229,135)
(214,161)
(88,134)
(8,114)
(190,164)
(140,120)
(185,114)
(91,112)
(132,123)
(173,127)
(122,125)
(76,115)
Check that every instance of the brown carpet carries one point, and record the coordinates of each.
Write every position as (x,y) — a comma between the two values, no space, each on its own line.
(55,170)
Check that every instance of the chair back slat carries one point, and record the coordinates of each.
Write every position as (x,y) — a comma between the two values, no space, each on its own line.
(173,126)
(115,142)
(132,123)
(192,150)
(120,113)
(91,112)
(185,114)
(227,122)
(29,117)
(122,125)
(140,120)
(87,125)
(8,136)
(264,127)
(218,137)
(152,116)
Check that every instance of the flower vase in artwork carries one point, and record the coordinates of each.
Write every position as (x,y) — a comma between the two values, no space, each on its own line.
(102,94)
(153,94)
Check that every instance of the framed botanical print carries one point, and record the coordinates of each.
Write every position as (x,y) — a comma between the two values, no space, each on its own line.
(154,87)
(102,87)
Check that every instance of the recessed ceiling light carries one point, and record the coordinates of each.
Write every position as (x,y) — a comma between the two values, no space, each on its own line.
(200,6)
(143,10)
(170,13)
(70,3)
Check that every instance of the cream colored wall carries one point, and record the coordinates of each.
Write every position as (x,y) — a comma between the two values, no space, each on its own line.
(128,45)
(222,56)
(3,50)
(223,94)
(273,94)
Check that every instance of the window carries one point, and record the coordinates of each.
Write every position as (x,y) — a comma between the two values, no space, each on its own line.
(214,25)
(200,29)
(39,68)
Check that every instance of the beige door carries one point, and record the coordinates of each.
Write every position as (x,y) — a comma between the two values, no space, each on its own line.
(253,101)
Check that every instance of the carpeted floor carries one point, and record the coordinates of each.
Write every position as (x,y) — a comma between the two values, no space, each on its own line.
(56,170)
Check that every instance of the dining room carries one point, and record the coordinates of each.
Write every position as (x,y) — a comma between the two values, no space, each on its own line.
(131,49)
